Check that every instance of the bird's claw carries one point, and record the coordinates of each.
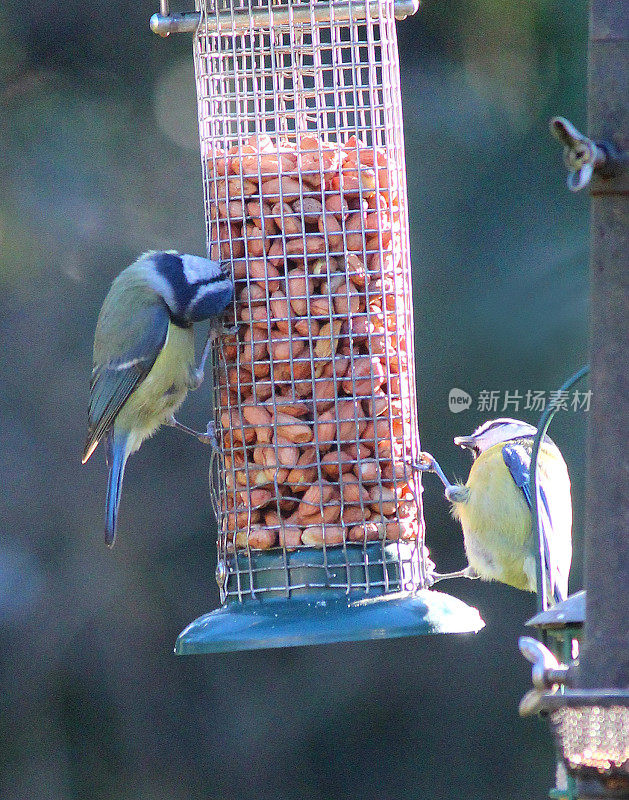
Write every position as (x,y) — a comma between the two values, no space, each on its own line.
(428,463)
(220,329)
(209,437)
(425,462)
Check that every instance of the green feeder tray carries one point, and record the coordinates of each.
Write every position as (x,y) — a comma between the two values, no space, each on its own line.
(342,594)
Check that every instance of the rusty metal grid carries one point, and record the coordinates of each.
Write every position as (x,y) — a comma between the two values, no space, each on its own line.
(304,183)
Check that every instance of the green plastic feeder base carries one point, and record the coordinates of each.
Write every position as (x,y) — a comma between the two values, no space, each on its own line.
(321,614)
(275,622)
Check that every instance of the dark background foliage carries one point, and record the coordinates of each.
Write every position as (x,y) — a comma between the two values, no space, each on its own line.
(100,162)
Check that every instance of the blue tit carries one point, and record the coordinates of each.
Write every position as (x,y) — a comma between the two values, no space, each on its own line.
(144,361)
(494,507)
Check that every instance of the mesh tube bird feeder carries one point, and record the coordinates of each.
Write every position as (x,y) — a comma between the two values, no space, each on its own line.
(321,533)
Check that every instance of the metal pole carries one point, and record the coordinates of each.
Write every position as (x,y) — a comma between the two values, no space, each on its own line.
(605,658)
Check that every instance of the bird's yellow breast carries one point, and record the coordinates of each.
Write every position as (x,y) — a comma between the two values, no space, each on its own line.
(496,522)
(165,387)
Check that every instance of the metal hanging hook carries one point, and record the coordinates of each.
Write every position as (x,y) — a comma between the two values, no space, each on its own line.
(583,156)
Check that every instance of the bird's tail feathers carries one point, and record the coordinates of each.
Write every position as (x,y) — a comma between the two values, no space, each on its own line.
(559,590)
(118,452)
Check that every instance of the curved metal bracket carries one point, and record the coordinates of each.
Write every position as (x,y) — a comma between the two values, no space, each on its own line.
(583,157)
(542,427)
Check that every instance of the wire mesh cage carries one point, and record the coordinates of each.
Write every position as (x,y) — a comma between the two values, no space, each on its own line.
(304,177)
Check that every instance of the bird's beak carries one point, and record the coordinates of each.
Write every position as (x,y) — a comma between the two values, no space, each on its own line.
(464,441)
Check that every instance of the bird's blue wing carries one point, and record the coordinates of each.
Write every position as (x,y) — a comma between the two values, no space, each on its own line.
(518,461)
(113,381)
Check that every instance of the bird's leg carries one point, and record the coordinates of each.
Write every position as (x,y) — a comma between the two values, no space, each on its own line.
(215,331)
(209,437)
(468,572)
(428,463)
(199,372)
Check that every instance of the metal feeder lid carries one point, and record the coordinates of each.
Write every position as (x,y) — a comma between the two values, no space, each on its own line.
(316,614)
(570,611)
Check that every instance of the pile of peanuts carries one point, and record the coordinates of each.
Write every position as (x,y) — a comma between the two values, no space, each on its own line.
(314,393)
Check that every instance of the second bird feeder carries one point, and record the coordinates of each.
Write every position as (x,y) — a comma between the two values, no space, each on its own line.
(321,532)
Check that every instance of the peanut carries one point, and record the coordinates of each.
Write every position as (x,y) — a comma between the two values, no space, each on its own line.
(313,245)
(254,165)
(290,536)
(259,538)
(304,472)
(279,310)
(286,220)
(254,346)
(367,470)
(235,520)
(354,493)
(330,512)
(336,205)
(264,274)
(327,340)
(350,515)
(334,464)
(294,408)
(368,531)
(287,452)
(256,415)
(316,495)
(286,189)
(404,529)
(331,228)
(299,286)
(260,214)
(383,500)
(282,348)
(324,394)
(367,375)
(318,535)
(310,207)
(257,241)
(292,429)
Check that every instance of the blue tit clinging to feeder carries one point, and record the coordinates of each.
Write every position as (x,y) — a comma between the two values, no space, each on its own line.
(144,355)
(494,507)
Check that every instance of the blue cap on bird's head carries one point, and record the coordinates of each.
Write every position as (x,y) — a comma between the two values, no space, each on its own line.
(192,287)
(494,432)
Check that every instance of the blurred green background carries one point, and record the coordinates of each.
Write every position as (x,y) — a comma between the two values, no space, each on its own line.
(100,162)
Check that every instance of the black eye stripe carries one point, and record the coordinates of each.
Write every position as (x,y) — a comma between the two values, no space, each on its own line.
(170,267)
(208,281)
